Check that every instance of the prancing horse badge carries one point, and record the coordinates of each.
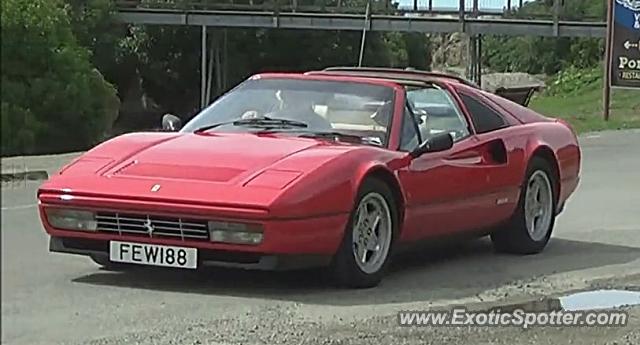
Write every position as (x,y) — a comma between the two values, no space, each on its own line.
(155,188)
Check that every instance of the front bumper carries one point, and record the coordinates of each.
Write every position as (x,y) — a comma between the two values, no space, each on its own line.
(206,257)
(312,237)
(321,234)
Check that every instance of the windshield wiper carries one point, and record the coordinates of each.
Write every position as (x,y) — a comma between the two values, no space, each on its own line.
(352,138)
(333,135)
(258,122)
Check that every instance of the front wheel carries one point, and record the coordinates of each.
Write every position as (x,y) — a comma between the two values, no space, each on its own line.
(529,229)
(366,247)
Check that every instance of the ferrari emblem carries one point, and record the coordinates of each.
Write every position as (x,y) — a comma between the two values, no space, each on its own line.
(155,188)
(149,226)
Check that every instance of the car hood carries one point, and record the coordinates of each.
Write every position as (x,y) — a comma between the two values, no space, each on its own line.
(215,158)
(217,169)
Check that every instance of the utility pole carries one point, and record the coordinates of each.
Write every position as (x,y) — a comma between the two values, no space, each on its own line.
(606,89)
(474,65)
(479,60)
(203,68)
(367,17)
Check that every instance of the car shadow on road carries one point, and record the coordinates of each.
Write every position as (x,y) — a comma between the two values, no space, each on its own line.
(455,271)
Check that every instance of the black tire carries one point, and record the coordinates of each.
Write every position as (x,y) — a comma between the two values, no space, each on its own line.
(513,237)
(344,269)
(103,260)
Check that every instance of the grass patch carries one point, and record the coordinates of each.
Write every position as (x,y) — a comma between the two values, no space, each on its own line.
(583,108)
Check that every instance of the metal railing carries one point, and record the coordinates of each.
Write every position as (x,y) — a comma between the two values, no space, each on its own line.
(504,8)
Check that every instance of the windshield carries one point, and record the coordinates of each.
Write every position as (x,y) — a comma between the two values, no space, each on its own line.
(349,108)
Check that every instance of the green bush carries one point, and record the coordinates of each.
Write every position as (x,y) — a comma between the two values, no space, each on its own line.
(572,80)
(52,98)
(547,54)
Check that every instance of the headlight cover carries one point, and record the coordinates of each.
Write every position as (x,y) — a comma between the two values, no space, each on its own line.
(235,233)
(273,179)
(69,219)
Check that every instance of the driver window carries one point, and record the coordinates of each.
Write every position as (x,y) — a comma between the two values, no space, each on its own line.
(437,113)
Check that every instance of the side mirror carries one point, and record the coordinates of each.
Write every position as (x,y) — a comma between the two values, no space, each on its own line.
(171,123)
(440,142)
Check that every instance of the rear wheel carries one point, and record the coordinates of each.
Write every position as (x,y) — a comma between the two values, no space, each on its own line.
(364,253)
(529,229)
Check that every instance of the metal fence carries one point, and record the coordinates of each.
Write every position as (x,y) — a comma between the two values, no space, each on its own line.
(504,8)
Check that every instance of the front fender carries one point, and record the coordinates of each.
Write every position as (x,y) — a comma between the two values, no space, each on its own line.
(331,188)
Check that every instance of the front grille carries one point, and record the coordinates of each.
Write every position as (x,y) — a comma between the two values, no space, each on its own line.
(152,226)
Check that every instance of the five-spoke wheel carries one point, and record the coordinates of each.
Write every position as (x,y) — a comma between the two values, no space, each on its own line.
(538,205)
(372,232)
(529,229)
(364,254)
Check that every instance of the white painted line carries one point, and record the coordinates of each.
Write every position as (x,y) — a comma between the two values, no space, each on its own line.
(21,207)
(593,136)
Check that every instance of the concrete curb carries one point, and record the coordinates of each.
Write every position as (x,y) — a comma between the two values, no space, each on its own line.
(34,168)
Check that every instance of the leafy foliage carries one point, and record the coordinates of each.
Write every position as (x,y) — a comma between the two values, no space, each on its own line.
(95,26)
(169,56)
(547,55)
(51,95)
(573,80)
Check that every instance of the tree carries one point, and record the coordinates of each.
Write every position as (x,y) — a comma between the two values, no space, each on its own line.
(95,25)
(170,57)
(52,99)
(547,55)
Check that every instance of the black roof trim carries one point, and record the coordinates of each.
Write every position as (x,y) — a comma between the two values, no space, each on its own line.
(407,72)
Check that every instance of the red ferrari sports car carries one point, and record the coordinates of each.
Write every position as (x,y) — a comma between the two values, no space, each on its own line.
(330,168)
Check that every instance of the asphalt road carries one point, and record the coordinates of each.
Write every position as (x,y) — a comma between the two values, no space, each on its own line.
(61,299)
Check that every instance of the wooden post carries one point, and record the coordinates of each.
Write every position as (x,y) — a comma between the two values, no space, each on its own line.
(225,57)
(415,5)
(556,17)
(212,44)
(430,6)
(472,63)
(606,89)
(479,67)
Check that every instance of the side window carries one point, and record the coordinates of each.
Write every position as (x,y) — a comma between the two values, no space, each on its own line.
(437,113)
(410,138)
(484,118)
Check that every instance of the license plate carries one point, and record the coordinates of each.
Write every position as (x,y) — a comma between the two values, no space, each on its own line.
(152,254)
